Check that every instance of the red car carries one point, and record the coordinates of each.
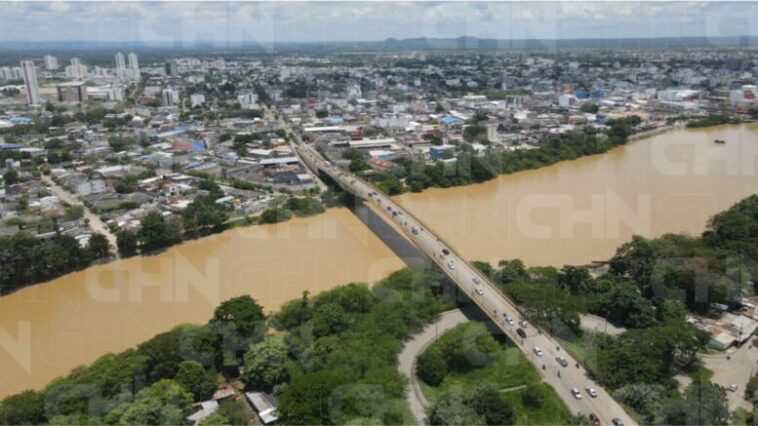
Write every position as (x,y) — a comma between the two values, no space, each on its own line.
(595,419)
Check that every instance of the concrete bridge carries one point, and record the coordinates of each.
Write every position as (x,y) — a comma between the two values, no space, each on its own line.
(539,347)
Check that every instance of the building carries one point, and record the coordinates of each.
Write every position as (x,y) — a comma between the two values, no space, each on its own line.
(172,68)
(169,97)
(134,66)
(51,63)
(30,81)
(76,70)
(73,92)
(120,65)
(197,99)
(265,405)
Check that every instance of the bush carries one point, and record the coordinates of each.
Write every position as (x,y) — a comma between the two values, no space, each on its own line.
(431,367)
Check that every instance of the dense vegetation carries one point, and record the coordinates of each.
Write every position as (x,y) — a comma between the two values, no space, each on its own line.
(152,384)
(471,378)
(711,120)
(469,168)
(27,260)
(341,344)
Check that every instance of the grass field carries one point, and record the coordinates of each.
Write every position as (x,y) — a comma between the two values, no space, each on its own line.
(510,370)
(553,412)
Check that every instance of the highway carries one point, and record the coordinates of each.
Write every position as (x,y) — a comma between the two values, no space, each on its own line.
(500,309)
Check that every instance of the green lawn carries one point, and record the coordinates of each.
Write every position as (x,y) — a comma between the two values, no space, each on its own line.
(511,369)
(553,412)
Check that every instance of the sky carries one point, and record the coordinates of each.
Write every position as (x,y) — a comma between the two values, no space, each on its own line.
(367,21)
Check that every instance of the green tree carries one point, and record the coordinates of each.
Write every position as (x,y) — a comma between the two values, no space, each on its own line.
(99,246)
(453,408)
(266,363)
(431,367)
(196,379)
(489,403)
(329,318)
(705,403)
(574,279)
(534,396)
(235,412)
(10,177)
(237,323)
(127,243)
(25,408)
(215,419)
(164,402)
(154,233)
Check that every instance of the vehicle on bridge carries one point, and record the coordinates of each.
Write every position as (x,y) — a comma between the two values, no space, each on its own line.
(562,361)
(521,332)
(576,393)
(537,351)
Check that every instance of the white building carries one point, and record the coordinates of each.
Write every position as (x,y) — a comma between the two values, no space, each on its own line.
(30,81)
(169,97)
(120,65)
(197,99)
(134,66)
(51,63)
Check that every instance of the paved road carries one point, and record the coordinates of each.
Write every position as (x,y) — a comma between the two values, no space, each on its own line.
(95,223)
(493,302)
(413,348)
(741,366)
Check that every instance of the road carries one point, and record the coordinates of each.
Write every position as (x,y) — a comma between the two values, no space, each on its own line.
(487,296)
(95,223)
(413,348)
(738,370)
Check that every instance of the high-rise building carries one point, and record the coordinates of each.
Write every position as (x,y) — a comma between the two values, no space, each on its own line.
(6,73)
(72,92)
(120,65)
(134,66)
(30,81)
(76,70)
(51,63)
(169,97)
(172,68)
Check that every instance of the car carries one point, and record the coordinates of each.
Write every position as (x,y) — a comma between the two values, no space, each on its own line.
(576,393)
(522,323)
(591,392)
(476,280)
(508,319)
(733,387)
(521,332)
(445,251)
(562,361)
(595,419)
(617,422)
(451,265)
(537,351)
(414,230)
(479,291)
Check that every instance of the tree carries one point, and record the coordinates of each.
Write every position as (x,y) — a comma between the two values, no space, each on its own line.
(453,408)
(154,233)
(431,367)
(234,412)
(196,379)
(10,177)
(574,279)
(705,403)
(25,408)
(534,396)
(266,363)
(635,259)
(488,402)
(127,243)
(99,246)
(237,323)
(164,402)
(328,318)
(215,419)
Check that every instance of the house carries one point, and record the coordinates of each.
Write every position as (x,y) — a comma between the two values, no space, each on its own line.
(265,405)
(205,409)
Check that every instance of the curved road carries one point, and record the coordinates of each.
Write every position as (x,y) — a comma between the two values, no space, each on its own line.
(413,348)
(489,298)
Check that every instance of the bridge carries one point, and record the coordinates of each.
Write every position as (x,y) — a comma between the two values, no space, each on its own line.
(539,347)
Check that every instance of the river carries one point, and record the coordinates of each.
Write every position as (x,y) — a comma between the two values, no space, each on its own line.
(570,213)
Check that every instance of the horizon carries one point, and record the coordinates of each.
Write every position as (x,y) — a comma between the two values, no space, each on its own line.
(340,22)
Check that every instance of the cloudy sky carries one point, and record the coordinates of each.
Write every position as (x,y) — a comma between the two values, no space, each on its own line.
(355,21)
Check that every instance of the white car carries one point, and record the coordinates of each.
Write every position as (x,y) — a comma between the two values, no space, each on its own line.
(508,320)
(733,387)
(479,291)
(537,351)
(591,392)
(451,265)
(576,393)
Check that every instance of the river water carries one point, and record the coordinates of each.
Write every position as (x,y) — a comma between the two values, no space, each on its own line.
(570,213)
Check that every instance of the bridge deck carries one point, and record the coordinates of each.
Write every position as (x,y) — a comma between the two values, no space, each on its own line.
(498,307)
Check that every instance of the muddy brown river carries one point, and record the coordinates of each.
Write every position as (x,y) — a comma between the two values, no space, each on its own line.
(571,213)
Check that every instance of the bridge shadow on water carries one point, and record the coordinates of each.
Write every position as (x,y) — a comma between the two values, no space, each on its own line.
(404,249)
